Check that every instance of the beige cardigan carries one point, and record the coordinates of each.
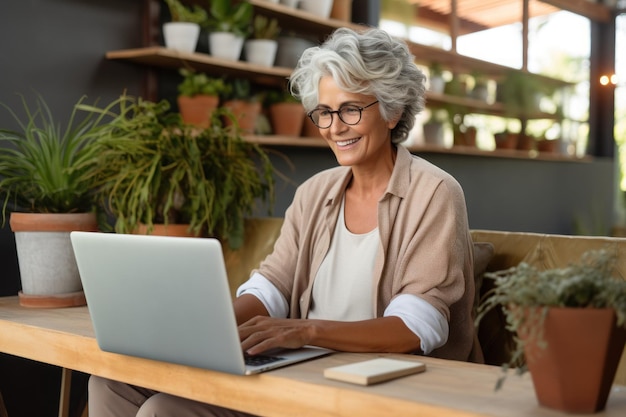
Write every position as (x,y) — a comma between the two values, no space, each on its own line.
(426,245)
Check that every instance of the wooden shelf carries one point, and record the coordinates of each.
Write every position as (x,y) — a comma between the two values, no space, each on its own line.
(300,21)
(291,141)
(159,56)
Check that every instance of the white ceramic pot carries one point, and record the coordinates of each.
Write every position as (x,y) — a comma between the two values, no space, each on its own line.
(225,45)
(261,51)
(437,84)
(319,8)
(182,36)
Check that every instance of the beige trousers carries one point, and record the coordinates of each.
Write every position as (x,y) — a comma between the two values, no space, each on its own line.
(108,398)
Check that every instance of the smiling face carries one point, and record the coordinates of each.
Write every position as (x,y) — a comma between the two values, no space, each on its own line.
(365,144)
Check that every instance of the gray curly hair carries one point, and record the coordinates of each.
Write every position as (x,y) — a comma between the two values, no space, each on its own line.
(370,62)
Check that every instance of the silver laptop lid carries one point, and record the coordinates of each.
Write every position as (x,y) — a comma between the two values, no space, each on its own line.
(163,298)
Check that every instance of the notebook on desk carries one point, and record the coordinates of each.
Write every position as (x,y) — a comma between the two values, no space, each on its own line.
(166,298)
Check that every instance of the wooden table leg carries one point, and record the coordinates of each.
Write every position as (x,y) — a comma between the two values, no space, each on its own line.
(3,410)
(66,388)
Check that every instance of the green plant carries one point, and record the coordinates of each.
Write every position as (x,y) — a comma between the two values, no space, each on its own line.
(265,28)
(197,83)
(230,16)
(45,167)
(181,13)
(279,96)
(521,91)
(241,89)
(155,169)
(525,293)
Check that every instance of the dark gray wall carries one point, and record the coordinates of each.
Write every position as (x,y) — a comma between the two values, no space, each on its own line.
(56,48)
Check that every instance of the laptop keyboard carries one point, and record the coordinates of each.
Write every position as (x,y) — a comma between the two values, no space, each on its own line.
(257,360)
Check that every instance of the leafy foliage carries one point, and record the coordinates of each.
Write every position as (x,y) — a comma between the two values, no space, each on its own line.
(155,169)
(197,83)
(181,13)
(230,16)
(45,168)
(525,294)
(265,28)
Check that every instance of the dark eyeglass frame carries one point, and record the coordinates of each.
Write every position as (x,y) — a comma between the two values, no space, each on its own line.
(338,113)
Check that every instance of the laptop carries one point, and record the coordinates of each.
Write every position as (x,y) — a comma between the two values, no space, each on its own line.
(168,299)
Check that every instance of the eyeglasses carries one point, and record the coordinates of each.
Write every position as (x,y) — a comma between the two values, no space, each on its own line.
(349,115)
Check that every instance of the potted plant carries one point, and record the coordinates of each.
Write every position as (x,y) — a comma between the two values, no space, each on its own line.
(244,105)
(286,113)
(569,325)
(154,169)
(433,129)
(229,25)
(182,32)
(436,80)
(261,48)
(47,182)
(198,96)
(320,8)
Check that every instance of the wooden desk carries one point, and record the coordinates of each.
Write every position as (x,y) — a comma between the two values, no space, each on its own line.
(64,337)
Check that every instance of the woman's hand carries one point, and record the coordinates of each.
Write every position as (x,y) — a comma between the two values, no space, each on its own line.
(260,334)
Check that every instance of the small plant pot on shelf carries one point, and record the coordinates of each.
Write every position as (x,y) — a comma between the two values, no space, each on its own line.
(48,270)
(261,51)
(321,8)
(548,145)
(246,114)
(505,140)
(433,133)
(181,36)
(197,110)
(287,118)
(225,45)
(342,10)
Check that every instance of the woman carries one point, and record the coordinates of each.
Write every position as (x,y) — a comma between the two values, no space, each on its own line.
(374,255)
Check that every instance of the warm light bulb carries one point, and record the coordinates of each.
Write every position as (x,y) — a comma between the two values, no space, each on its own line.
(614,79)
(604,80)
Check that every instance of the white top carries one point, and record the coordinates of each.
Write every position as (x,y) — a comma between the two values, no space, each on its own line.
(342,289)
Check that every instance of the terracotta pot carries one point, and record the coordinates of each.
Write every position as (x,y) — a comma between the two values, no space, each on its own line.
(342,10)
(309,130)
(245,112)
(48,269)
(547,145)
(197,110)
(525,142)
(287,118)
(505,140)
(575,370)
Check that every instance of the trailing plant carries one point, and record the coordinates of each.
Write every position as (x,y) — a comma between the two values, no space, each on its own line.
(155,169)
(230,16)
(46,167)
(525,294)
(198,83)
(181,13)
(265,28)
